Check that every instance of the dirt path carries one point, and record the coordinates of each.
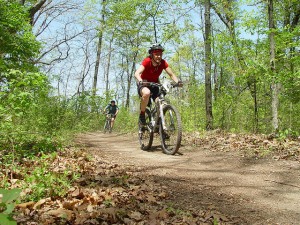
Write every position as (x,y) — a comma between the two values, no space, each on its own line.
(251,191)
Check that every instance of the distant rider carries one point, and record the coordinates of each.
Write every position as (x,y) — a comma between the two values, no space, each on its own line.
(150,70)
(113,110)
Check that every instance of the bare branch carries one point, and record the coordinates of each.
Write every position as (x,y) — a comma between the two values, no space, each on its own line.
(56,46)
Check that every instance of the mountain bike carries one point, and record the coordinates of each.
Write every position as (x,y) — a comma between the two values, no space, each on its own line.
(163,118)
(107,125)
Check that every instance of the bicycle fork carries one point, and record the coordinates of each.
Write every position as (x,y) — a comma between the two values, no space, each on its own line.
(161,114)
(154,121)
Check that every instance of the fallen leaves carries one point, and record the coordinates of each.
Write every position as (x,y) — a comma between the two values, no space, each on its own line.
(256,145)
(61,213)
(107,193)
(104,194)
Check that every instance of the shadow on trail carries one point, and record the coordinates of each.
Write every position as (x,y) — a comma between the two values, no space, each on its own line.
(228,198)
(249,190)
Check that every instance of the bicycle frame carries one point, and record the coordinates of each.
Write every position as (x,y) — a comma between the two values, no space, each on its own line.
(107,125)
(158,107)
(164,119)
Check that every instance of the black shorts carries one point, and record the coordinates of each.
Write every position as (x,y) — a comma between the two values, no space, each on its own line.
(113,115)
(154,91)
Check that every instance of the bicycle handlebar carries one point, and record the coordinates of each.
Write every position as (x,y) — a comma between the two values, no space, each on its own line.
(173,84)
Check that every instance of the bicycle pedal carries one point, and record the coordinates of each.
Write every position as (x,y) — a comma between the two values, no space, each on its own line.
(142,129)
(166,136)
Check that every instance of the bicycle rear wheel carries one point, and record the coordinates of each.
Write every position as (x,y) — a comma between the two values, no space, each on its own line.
(145,134)
(171,135)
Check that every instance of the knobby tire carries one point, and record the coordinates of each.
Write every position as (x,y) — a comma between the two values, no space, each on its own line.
(171,137)
(145,135)
(107,126)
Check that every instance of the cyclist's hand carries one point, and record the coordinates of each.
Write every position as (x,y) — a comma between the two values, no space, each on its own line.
(179,83)
(141,83)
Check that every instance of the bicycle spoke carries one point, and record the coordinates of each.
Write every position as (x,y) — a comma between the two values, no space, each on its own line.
(172,132)
(145,134)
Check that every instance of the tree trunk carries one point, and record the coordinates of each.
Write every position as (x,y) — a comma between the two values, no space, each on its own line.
(274,85)
(208,91)
(108,66)
(129,78)
(34,8)
(255,107)
(99,47)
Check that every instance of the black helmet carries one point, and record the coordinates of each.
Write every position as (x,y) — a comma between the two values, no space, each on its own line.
(155,46)
(112,101)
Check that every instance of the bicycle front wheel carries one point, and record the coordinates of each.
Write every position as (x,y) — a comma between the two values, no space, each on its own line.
(145,133)
(171,134)
(106,126)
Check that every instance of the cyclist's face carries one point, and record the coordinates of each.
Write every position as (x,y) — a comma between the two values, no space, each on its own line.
(157,56)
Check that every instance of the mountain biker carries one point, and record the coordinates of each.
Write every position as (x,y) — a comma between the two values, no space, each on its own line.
(113,110)
(150,70)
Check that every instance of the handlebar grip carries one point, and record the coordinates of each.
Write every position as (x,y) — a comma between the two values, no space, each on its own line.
(178,84)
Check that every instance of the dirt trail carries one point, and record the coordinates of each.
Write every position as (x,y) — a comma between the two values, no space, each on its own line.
(252,191)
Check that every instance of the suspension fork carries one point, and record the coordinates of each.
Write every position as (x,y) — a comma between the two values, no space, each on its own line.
(161,103)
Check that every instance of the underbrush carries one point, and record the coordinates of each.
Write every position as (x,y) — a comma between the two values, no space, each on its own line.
(34,173)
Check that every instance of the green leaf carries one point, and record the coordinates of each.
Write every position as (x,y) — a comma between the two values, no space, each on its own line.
(6,220)
(9,195)
(9,209)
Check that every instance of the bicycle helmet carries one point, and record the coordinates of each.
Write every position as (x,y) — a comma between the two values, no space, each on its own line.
(112,101)
(155,46)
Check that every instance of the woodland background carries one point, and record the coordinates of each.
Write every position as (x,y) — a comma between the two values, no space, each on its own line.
(62,61)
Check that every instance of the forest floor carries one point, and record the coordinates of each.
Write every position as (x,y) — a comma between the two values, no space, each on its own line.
(217,178)
(234,179)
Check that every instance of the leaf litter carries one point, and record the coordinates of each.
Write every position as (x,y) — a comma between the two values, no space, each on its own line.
(108,193)
(250,145)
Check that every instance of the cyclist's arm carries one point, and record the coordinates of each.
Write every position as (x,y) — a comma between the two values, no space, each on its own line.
(171,74)
(138,73)
(117,112)
(106,110)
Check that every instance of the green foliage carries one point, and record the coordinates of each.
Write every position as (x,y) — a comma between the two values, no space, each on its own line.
(7,199)
(287,133)
(17,43)
(36,173)
(126,120)
(33,120)
(19,96)
(34,126)
(44,182)
(192,110)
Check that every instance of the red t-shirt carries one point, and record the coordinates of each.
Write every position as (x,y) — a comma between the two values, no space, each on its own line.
(152,73)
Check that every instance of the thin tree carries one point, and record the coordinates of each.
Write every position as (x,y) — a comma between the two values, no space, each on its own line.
(208,91)
(106,75)
(274,85)
(99,47)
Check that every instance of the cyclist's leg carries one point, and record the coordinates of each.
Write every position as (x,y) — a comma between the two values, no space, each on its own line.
(112,122)
(155,93)
(145,93)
